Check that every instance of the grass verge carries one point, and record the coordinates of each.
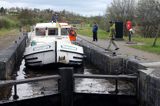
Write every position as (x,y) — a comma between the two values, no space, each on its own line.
(147,44)
(87,31)
(5,32)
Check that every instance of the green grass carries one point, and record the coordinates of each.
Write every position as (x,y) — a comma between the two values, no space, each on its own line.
(144,40)
(8,25)
(87,31)
(5,32)
(148,48)
(147,44)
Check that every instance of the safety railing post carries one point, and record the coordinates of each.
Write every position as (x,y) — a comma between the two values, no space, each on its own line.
(66,86)
(116,87)
(15,96)
(137,89)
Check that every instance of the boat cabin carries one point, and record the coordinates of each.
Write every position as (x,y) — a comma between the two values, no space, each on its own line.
(52,29)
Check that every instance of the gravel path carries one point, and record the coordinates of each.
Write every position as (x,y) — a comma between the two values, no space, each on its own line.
(7,40)
(126,50)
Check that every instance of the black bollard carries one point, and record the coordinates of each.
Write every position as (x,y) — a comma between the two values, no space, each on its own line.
(129,36)
(66,86)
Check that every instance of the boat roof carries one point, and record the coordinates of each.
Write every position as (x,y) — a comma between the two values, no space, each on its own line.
(52,25)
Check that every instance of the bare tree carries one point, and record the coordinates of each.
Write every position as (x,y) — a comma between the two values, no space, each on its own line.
(148,13)
(121,10)
(156,37)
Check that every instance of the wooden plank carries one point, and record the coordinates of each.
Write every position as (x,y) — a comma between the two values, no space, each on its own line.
(105,76)
(13,82)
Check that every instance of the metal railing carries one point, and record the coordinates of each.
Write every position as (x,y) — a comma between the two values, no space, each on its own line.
(22,81)
(66,83)
(115,77)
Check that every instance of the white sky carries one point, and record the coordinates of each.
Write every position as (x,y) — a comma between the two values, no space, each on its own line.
(82,7)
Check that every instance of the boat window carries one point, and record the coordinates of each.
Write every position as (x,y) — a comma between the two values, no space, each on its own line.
(64,31)
(53,31)
(40,31)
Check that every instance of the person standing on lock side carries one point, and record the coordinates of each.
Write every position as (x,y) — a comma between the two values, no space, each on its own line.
(95,30)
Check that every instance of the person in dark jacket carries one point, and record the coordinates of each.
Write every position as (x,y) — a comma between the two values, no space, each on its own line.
(94,30)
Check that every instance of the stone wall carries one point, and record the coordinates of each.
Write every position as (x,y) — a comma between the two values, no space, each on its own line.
(149,88)
(11,57)
(106,62)
(132,66)
(149,81)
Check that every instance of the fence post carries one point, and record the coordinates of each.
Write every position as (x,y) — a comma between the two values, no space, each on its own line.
(15,96)
(137,89)
(66,86)
(116,87)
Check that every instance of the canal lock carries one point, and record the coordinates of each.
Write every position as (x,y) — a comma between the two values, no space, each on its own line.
(93,65)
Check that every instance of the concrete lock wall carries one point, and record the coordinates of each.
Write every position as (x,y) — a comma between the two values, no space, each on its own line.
(149,82)
(11,57)
(149,87)
(149,79)
(132,66)
(106,64)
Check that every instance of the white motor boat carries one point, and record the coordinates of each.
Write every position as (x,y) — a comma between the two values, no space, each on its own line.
(49,43)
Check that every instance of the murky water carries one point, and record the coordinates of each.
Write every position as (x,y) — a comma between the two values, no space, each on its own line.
(101,86)
(84,85)
(37,88)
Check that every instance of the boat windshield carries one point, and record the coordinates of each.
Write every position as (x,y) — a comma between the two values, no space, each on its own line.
(52,31)
(64,31)
(40,31)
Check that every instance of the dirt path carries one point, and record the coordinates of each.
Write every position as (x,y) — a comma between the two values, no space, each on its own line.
(9,39)
(126,50)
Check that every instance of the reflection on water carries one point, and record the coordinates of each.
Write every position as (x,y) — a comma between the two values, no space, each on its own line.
(101,86)
(34,89)
(85,85)
(93,85)
(24,90)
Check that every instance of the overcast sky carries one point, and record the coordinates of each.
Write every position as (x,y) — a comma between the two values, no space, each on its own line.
(82,7)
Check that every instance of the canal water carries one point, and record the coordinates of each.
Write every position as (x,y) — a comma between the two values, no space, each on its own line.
(85,85)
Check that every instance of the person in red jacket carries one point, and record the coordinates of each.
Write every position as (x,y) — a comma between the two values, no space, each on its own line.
(129,27)
(72,34)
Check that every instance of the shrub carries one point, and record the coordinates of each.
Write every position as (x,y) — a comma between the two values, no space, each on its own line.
(7,23)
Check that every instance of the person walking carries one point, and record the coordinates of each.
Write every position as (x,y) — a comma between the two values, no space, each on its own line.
(94,30)
(112,36)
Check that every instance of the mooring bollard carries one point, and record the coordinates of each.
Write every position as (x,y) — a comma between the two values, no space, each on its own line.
(66,86)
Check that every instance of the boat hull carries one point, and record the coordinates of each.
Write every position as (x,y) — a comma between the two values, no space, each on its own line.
(54,53)
(40,58)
